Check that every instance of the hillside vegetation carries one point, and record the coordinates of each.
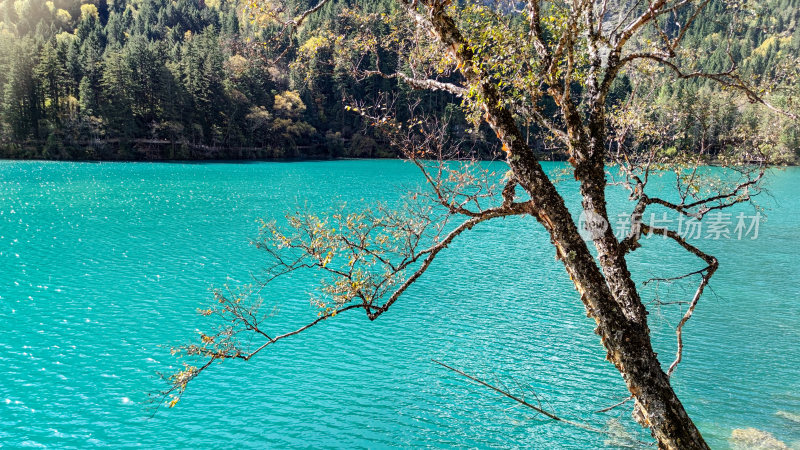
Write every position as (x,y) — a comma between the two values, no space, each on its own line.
(195,79)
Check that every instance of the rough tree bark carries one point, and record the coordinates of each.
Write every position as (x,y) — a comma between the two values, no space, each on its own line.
(606,287)
(612,301)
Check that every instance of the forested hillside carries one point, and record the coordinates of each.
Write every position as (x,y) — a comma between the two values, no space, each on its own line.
(188,79)
(137,79)
(761,40)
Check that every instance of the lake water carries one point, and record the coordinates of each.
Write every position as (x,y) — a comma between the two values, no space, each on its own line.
(102,268)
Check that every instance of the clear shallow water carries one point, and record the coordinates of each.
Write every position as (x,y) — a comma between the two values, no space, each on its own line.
(102,265)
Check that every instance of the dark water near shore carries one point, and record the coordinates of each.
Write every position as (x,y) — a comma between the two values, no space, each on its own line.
(101,265)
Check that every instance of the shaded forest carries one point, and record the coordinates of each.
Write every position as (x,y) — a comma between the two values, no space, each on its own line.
(201,79)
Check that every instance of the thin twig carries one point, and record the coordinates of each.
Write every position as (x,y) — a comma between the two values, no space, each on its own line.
(625,400)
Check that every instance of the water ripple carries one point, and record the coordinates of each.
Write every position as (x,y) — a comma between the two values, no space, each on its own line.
(104,264)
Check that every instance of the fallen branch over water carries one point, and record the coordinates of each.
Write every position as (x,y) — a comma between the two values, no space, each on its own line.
(525,403)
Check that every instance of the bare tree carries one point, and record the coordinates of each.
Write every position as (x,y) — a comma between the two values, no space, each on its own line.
(505,63)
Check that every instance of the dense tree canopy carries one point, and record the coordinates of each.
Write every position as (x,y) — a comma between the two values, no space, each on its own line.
(137,79)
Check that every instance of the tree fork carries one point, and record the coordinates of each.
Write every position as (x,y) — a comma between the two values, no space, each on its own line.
(626,341)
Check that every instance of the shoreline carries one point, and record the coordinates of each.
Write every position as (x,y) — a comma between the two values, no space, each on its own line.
(147,150)
(310,158)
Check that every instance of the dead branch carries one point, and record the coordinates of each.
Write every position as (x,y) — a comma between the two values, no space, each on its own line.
(705,275)
(506,393)
(615,405)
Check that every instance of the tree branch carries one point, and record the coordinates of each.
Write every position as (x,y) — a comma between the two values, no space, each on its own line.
(739,194)
(728,79)
(506,393)
(421,84)
(705,274)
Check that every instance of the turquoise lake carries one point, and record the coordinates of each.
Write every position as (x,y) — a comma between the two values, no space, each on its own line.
(103,266)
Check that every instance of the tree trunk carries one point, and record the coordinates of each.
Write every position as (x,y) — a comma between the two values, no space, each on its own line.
(611,300)
(627,341)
